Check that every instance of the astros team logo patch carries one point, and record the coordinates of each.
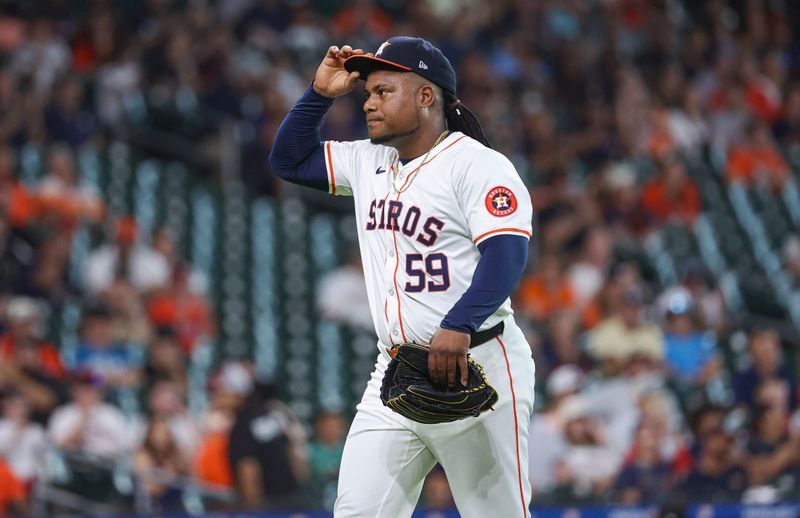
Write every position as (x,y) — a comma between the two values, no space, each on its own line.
(501,201)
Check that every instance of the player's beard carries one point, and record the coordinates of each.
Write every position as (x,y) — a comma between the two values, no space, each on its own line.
(393,137)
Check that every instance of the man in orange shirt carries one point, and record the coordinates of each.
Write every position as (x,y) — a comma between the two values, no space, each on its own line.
(756,160)
(672,195)
(12,492)
(546,292)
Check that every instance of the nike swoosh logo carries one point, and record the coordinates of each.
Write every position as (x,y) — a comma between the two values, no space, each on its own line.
(380,170)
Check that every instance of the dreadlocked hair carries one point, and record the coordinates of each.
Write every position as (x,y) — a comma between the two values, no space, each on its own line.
(460,118)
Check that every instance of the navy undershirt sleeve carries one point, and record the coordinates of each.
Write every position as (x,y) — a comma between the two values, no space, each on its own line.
(502,263)
(297,154)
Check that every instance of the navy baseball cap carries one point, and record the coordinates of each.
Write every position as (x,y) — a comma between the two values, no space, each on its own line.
(407,54)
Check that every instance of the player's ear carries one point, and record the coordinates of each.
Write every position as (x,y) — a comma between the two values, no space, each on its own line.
(426,96)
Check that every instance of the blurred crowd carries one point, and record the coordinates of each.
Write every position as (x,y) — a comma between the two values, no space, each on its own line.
(599,103)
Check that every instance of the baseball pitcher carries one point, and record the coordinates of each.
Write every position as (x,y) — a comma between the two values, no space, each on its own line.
(443,229)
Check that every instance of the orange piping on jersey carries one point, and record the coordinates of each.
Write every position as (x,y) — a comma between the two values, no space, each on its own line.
(443,150)
(330,168)
(396,265)
(409,175)
(516,428)
(394,237)
(517,230)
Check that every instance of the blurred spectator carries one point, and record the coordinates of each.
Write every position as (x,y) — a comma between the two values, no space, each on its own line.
(763,96)
(619,195)
(766,362)
(772,451)
(546,434)
(772,393)
(564,211)
(698,285)
(98,353)
(672,197)
(646,478)
(717,475)
(25,324)
(211,463)
(626,333)
(16,260)
(325,455)
(660,412)
(12,492)
(142,266)
(691,355)
(165,403)
(60,195)
(342,295)
(166,361)
(560,345)
(545,292)
(28,365)
(87,425)
(117,78)
(436,494)
(267,452)
(16,202)
(22,442)
(179,308)
(588,273)
(158,463)
(588,466)
(129,320)
(756,161)
(730,119)
(689,124)
(50,279)
(67,118)
(229,388)
(43,56)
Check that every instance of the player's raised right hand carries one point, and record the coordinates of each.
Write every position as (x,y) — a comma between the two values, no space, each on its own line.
(332,80)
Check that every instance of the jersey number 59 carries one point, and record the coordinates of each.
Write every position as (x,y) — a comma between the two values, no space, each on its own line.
(433,266)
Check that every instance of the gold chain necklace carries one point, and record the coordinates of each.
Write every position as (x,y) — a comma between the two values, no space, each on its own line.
(395,168)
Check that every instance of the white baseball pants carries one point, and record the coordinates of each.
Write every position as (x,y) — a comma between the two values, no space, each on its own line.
(386,456)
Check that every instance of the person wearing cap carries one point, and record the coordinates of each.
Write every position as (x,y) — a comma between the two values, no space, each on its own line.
(690,352)
(626,335)
(24,318)
(443,222)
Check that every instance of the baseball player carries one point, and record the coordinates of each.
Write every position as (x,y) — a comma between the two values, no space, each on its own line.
(443,228)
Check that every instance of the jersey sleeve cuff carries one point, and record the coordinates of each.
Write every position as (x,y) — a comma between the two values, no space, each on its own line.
(461,328)
(499,231)
(313,94)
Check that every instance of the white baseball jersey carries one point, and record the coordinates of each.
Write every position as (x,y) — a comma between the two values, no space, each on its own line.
(418,232)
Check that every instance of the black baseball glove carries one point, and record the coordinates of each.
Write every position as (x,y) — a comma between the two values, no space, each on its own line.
(408,389)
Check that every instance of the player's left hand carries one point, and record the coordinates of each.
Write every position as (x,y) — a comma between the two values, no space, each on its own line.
(448,357)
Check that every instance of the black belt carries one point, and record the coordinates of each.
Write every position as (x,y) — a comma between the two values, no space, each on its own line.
(481,337)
